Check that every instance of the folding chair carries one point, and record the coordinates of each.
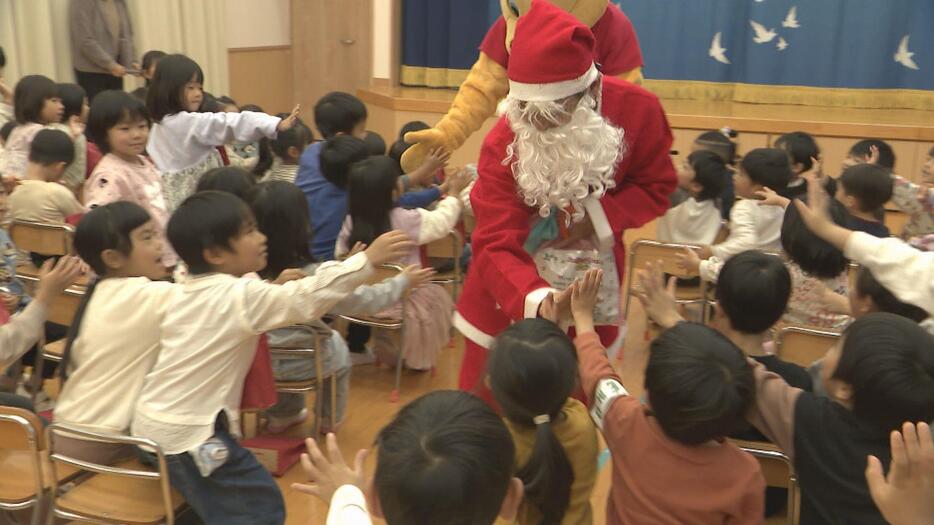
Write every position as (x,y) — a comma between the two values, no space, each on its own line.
(314,384)
(895,221)
(802,345)
(451,246)
(26,473)
(128,492)
(382,273)
(40,237)
(644,251)
(778,471)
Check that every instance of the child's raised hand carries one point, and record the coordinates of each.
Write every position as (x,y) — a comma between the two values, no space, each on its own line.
(873,155)
(457,182)
(436,159)
(75,126)
(418,276)
(388,247)
(290,274)
(584,294)
(657,299)
(816,171)
(689,261)
(816,212)
(328,475)
(288,122)
(904,496)
(54,279)
(357,248)
(770,198)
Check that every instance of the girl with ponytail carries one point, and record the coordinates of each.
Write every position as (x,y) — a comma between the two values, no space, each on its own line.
(115,335)
(532,373)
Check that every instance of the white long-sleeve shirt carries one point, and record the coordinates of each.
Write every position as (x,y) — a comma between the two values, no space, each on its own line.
(752,227)
(209,337)
(115,349)
(691,222)
(21,333)
(906,272)
(348,507)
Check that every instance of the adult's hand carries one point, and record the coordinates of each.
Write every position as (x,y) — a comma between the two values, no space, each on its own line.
(117,70)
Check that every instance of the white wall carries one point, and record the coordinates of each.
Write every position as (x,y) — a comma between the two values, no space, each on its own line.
(382,38)
(258,23)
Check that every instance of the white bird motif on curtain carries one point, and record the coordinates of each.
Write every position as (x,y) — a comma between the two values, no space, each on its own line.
(782,44)
(717,51)
(791,20)
(763,35)
(903,56)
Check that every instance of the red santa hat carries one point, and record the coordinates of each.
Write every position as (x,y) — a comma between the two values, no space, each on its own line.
(552,55)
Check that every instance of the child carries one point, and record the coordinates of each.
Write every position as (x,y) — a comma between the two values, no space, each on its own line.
(119,125)
(148,67)
(862,152)
(278,157)
(13,297)
(183,142)
(752,227)
(721,142)
(532,372)
(880,375)
(282,216)
(429,172)
(229,179)
(114,338)
(336,114)
(375,144)
(40,197)
(371,212)
(36,103)
(696,220)
(801,147)
(864,189)
(917,200)
(445,458)
(190,399)
(75,103)
(671,462)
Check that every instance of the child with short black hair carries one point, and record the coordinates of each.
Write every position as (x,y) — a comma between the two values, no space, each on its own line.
(278,158)
(119,124)
(375,144)
(191,398)
(338,154)
(183,142)
(445,458)
(703,176)
(862,152)
(864,189)
(802,148)
(148,66)
(752,227)
(532,372)
(336,113)
(229,179)
(698,387)
(40,197)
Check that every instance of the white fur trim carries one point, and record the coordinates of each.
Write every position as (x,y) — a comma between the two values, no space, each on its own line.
(472,332)
(553,91)
(534,300)
(601,226)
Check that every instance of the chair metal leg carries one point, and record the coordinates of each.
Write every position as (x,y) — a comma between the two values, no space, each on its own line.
(394,396)
(334,402)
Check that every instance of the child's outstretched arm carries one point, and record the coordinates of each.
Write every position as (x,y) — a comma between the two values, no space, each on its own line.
(24,329)
(335,483)
(370,299)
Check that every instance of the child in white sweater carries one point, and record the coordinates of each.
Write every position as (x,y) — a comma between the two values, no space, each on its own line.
(183,143)
(190,399)
(696,220)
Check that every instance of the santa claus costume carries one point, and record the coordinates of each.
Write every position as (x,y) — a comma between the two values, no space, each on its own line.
(572,149)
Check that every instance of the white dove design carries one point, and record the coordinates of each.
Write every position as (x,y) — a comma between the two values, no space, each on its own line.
(717,51)
(782,44)
(791,20)
(903,56)
(763,35)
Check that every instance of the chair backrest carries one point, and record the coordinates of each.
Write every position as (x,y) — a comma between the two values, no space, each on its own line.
(130,472)
(448,247)
(777,469)
(22,443)
(802,345)
(644,251)
(895,221)
(44,238)
(383,272)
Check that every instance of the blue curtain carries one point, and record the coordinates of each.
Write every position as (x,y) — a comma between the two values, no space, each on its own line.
(837,44)
(874,45)
(440,38)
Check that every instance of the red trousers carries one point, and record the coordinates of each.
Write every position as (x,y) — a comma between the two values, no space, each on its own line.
(473,366)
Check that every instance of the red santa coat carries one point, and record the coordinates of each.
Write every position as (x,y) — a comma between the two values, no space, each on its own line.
(617,49)
(503,285)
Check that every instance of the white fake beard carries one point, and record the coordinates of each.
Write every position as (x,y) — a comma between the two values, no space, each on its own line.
(564,165)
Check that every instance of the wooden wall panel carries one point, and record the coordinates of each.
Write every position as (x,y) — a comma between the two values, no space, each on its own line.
(263,76)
